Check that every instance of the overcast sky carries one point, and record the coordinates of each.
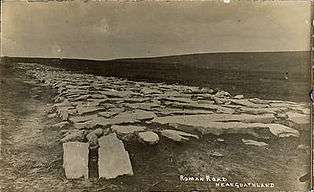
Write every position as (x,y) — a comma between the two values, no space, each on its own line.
(106,30)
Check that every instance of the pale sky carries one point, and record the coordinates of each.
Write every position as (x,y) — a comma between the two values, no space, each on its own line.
(107,30)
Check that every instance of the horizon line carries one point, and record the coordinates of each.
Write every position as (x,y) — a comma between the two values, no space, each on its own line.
(150,57)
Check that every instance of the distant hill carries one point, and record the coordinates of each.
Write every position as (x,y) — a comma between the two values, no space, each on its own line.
(257,74)
(294,61)
(250,61)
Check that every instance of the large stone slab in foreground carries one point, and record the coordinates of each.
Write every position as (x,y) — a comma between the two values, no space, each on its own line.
(113,158)
(75,159)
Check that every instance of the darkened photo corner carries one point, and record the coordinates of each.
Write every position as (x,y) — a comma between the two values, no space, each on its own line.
(156,96)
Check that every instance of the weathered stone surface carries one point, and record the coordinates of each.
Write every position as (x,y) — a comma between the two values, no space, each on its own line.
(149,91)
(81,98)
(247,103)
(127,129)
(52,115)
(84,118)
(92,139)
(60,125)
(239,97)
(298,118)
(255,111)
(148,137)
(65,103)
(259,101)
(220,101)
(88,103)
(216,154)
(191,90)
(258,130)
(63,113)
(302,109)
(224,94)
(101,121)
(282,130)
(169,111)
(281,116)
(113,158)
(88,110)
(74,135)
(136,100)
(143,106)
(84,125)
(255,143)
(177,99)
(177,135)
(99,132)
(118,94)
(225,110)
(195,105)
(204,120)
(281,104)
(132,117)
(75,160)
(107,114)
(97,96)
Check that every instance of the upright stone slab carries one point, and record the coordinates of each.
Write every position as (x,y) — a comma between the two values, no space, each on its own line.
(75,159)
(113,158)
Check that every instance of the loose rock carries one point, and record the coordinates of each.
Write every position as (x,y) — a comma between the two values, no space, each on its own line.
(149,137)
(177,135)
(255,143)
(74,135)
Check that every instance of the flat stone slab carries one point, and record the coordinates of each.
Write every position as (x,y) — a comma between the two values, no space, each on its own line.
(83,118)
(136,100)
(75,160)
(259,101)
(113,158)
(73,135)
(298,118)
(148,91)
(247,103)
(107,114)
(144,106)
(86,110)
(258,130)
(177,99)
(204,120)
(195,105)
(128,129)
(60,125)
(170,111)
(256,111)
(255,143)
(149,137)
(132,117)
(177,135)
(239,97)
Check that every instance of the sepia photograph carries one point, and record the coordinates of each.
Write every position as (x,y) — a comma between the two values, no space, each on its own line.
(156,96)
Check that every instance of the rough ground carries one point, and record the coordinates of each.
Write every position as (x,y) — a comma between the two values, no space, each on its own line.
(34,99)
